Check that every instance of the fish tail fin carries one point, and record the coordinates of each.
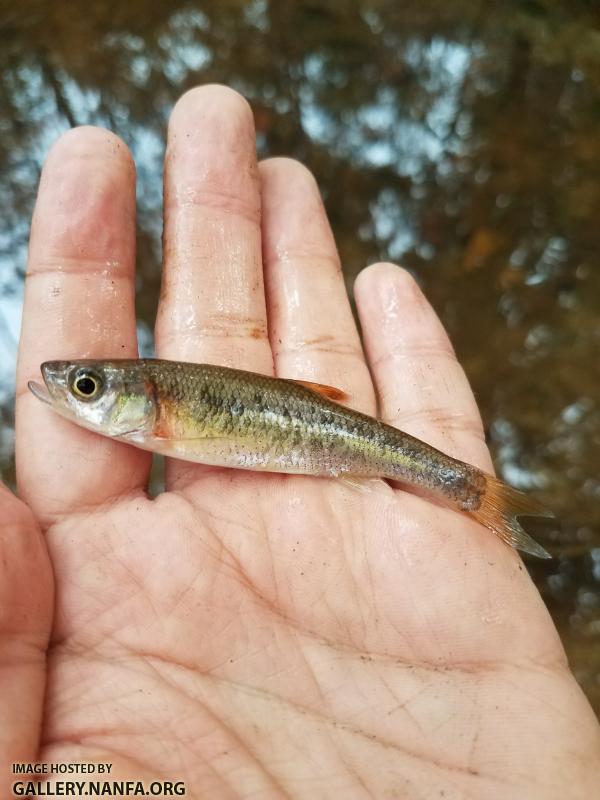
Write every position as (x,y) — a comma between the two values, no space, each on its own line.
(499,509)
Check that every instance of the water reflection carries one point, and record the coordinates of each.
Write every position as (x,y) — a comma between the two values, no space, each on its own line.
(462,142)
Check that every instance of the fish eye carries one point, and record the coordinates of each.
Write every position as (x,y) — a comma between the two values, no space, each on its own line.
(87,384)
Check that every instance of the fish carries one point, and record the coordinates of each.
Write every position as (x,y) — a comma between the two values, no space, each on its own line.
(228,417)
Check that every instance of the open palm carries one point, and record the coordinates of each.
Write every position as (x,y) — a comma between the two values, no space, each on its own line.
(260,635)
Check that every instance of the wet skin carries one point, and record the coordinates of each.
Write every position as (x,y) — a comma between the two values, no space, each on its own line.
(250,634)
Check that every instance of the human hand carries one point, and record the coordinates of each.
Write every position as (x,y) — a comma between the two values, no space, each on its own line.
(253,634)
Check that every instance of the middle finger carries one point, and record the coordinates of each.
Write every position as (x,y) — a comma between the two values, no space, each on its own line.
(212,306)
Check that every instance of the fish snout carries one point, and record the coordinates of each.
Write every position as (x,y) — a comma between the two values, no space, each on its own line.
(55,375)
(54,370)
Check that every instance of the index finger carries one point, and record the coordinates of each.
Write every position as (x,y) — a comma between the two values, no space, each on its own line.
(79,303)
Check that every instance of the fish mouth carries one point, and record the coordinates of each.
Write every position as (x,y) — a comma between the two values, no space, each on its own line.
(41,392)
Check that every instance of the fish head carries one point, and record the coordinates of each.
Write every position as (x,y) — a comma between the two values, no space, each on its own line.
(110,397)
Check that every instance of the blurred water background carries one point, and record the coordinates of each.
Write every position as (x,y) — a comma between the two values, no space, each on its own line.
(460,138)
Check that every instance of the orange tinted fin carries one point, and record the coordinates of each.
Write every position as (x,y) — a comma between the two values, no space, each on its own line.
(327,391)
(500,507)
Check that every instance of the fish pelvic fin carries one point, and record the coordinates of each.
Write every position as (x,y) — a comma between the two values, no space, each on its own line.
(499,509)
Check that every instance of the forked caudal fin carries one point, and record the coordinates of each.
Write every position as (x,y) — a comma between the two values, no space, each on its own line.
(499,509)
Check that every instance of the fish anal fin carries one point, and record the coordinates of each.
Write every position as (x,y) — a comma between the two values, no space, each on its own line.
(331,392)
(364,485)
(499,509)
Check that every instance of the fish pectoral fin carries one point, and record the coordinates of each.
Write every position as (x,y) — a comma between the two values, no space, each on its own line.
(126,434)
(167,438)
(331,392)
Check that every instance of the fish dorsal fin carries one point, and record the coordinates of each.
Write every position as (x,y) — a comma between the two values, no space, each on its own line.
(327,391)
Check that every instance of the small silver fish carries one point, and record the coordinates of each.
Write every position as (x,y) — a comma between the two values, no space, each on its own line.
(231,418)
